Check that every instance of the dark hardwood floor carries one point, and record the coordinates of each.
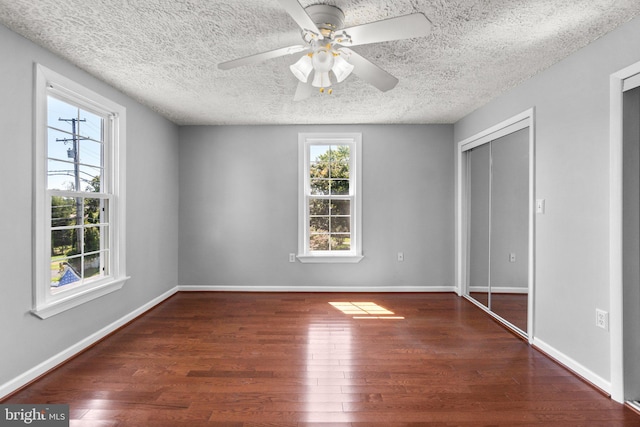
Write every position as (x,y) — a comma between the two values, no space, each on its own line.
(511,307)
(264,359)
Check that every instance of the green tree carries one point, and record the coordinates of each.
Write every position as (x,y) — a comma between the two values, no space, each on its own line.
(63,214)
(329,172)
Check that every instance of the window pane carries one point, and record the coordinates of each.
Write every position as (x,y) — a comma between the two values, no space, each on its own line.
(340,186)
(318,207)
(74,146)
(59,145)
(90,178)
(69,118)
(63,211)
(60,176)
(341,207)
(319,242)
(75,265)
(319,224)
(57,110)
(92,239)
(340,153)
(319,170)
(63,273)
(65,242)
(92,266)
(340,224)
(340,242)
(319,186)
(319,153)
(92,210)
(91,127)
(340,170)
(90,153)
(57,270)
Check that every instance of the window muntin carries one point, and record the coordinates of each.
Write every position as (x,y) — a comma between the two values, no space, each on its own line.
(329,225)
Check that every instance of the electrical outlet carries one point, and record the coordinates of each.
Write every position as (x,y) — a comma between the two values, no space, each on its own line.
(292,257)
(602,319)
(400,256)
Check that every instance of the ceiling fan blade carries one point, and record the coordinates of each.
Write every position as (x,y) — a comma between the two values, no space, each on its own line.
(370,72)
(299,15)
(402,27)
(303,91)
(259,57)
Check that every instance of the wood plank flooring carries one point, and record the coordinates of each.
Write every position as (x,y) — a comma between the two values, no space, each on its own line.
(511,307)
(269,359)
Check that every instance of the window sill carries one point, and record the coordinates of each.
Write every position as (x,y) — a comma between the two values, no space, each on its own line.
(329,259)
(51,309)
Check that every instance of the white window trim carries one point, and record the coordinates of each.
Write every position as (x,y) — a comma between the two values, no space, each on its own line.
(45,303)
(354,255)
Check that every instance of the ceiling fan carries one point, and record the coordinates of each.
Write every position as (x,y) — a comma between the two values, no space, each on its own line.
(326,52)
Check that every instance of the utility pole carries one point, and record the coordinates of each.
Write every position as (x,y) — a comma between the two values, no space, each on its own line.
(75,138)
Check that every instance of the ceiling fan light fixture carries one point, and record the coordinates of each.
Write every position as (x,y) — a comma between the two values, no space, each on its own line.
(321,79)
(322,60)
(342,68)
(328,42)
(302,68)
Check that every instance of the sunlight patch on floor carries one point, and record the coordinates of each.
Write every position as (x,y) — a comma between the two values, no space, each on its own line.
(365,310)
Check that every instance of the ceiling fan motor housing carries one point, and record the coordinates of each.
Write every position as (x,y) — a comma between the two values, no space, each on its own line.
(326,17)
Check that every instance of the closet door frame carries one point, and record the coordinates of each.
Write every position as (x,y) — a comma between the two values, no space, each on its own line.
(626,79)
(506,127)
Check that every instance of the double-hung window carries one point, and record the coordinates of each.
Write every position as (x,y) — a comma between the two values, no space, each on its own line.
(329,225)
(79,185)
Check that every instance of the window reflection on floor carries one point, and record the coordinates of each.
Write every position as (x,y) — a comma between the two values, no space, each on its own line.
(329,356)
(365,310)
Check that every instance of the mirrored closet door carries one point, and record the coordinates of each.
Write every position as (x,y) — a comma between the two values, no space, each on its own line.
(497,235)
(479,223)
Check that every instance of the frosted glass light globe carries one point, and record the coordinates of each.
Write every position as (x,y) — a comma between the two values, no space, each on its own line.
(323,60)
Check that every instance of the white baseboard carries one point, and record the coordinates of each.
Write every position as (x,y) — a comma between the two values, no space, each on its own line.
(574,366)
(500,289)
(223,288)
(33,373)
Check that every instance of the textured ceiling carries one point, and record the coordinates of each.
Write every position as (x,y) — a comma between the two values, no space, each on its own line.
(165,53)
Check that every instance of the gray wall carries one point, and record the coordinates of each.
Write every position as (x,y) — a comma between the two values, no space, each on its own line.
(238,207)
(152,214)
(572,173)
